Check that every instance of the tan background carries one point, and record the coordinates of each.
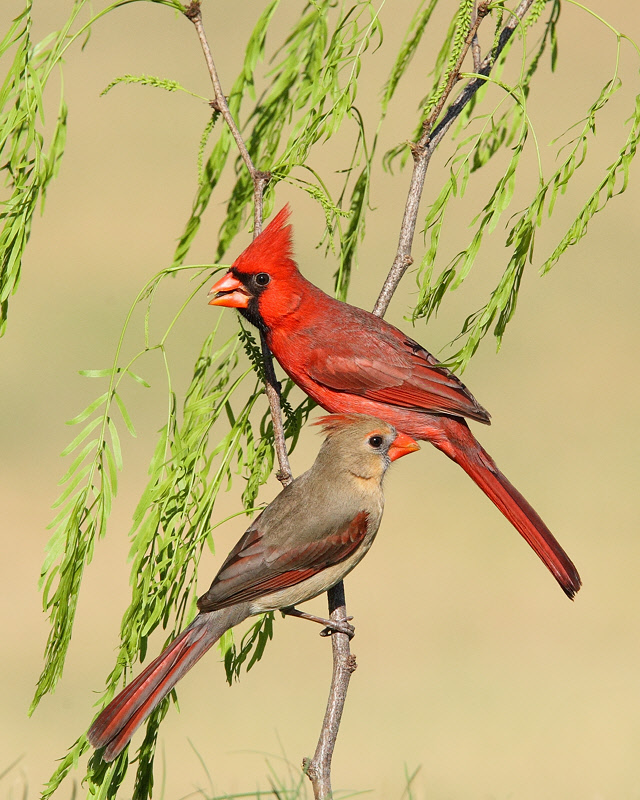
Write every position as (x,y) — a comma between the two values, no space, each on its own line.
(473,665)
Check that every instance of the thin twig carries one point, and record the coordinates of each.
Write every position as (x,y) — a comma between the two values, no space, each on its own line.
(272,387)
(424,148)
(475,43)
(344,663)
(260,180)
(427,125)
(455,109)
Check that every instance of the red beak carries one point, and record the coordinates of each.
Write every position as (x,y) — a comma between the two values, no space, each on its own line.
(229,292)
(402,446)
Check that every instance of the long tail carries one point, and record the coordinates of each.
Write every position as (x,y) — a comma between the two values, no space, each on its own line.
(457,441)
(125,713)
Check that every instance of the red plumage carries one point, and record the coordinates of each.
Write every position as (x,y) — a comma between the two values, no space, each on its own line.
(351,361)
(115,726)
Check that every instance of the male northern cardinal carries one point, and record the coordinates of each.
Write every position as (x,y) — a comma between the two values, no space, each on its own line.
(314,533)
(349,360)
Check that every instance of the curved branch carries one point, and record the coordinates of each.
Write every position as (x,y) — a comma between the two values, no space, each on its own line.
(423,149)
(260,180)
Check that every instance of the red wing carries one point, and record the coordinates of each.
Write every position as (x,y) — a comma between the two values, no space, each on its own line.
(407,378)
(252,571)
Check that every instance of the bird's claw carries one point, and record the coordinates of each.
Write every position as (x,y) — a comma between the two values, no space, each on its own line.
(339,626)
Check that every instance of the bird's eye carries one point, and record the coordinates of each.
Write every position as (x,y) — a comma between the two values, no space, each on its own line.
(376,441)
(262,278)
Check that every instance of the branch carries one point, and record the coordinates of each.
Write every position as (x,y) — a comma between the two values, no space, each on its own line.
(427,125)
(475,44)
(272,387)
(319,768)
(260,180)
(431,138)
(344,663)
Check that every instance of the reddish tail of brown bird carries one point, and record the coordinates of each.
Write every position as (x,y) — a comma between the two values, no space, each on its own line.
(125,713)
(460,445)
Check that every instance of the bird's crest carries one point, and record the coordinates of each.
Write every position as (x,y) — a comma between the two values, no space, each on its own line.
(332,423)
(272,249)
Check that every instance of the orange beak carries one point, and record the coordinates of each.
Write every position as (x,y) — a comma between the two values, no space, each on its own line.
(402,446)
(229,292)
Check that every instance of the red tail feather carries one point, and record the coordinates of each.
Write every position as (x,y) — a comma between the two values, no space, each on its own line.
(461,446)
(121,718)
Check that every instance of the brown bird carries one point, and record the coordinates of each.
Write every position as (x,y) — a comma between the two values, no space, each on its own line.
(303,543)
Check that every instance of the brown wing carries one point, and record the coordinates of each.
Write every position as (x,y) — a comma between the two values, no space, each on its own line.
(252,571)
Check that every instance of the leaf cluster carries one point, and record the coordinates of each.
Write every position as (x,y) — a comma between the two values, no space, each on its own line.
(312,89)
(511,129)
(90,486)
(28,161)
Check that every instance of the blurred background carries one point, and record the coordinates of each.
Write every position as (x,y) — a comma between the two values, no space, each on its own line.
(473,666)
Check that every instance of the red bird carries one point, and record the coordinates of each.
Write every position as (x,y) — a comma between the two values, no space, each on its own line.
(349,360)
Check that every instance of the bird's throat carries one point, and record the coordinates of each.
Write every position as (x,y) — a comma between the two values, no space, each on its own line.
(252,314)
(369,483)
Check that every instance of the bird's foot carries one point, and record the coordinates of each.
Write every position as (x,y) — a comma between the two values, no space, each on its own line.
(331,625)
(339,626)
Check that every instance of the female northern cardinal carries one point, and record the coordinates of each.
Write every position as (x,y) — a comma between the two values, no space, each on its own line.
(314,533)
(349,360)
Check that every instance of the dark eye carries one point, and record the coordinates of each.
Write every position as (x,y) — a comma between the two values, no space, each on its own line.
(262,279)
(376,441)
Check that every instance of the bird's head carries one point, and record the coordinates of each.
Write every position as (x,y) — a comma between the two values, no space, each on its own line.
(262,281)
(362,445)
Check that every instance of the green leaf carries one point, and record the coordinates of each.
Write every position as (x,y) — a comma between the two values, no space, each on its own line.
(91,426)
(88,411)
(149,80)
(125,415)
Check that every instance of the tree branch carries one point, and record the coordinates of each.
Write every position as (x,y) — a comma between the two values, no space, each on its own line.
(475,44)
(344,663)
(431,138)
(480,13)
(272,387)
(260,180)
